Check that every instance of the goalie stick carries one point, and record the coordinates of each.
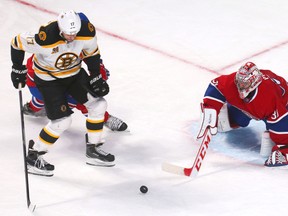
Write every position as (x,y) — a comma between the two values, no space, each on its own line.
(194,170)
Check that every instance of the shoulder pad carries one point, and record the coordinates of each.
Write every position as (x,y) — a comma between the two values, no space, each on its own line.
(48,34)
(87,29)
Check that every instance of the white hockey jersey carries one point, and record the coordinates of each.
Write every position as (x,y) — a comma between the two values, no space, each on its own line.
(53,56)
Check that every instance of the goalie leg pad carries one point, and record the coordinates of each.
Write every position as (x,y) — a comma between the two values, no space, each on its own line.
(223,120)
(266,144)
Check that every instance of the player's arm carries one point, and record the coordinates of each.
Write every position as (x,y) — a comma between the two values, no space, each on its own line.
(97,85)
(20,44)
(19,71)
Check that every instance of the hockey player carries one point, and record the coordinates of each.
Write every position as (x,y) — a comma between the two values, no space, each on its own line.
(248,94)
(35,107)
(58,49)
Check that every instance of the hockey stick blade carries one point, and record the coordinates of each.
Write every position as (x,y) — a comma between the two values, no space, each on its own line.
(171,168)
(32,207)
(178,170)
(194,170)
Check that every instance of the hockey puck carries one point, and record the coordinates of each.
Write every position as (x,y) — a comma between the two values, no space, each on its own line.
(143,189)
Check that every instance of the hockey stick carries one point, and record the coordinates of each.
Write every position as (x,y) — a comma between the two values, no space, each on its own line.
(194,170)
(29,205)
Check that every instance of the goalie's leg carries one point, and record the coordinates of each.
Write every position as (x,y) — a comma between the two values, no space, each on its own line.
(278,156)
(223,120)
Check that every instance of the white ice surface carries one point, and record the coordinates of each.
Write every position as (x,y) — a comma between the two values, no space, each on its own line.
(161,55)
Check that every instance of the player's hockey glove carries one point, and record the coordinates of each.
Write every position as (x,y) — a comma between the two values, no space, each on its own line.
(104,72)
(98,86)
(18,75)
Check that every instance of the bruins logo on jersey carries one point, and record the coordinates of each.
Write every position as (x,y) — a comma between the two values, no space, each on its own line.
(65,61)
(91,27)
(42,35)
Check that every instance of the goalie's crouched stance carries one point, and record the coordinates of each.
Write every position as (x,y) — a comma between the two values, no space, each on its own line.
(233,100)
(230,118)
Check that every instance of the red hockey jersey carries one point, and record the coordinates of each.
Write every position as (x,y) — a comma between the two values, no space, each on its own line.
(268,103)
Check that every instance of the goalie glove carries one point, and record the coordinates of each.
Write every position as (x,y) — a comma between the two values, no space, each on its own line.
(209,120)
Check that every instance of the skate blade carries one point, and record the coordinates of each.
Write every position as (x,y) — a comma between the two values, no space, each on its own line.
(35,171)
(97,162)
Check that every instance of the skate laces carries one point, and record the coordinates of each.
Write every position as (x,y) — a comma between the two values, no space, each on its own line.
(113,123)
(99,150)
(276,157)
(40,162)
(280,158)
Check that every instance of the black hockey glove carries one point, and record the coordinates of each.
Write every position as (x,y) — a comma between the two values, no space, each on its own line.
(18,75)
(97,86)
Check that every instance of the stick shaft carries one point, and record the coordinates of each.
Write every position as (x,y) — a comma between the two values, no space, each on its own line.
(24,145)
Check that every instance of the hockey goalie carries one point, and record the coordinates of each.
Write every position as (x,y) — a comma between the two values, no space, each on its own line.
(232,101)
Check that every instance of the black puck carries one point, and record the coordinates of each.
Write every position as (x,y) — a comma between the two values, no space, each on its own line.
(143,189)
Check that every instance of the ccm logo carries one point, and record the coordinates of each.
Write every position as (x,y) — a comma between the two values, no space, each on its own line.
(202,153)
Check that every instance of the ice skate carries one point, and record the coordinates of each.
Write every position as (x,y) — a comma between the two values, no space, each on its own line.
(36,164)
(97,157)
(276,159)
(115,124)
(28,111)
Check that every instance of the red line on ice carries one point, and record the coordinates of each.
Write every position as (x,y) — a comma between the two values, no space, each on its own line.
(217,72)
(255,54)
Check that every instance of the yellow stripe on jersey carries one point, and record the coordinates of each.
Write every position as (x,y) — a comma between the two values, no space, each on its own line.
(20,45)
(13,43)
(93,53)
(63,42)
(44,67)
(54,44)
(59,74)
(83,38)
(52,69)
(16,43)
